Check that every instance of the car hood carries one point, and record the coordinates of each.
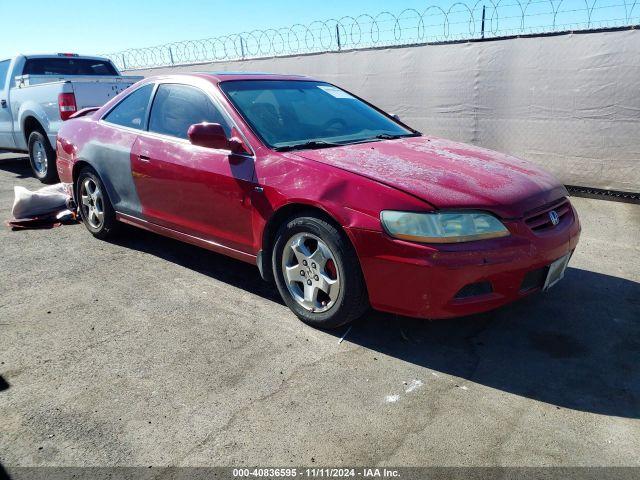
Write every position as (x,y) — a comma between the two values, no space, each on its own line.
(447,174)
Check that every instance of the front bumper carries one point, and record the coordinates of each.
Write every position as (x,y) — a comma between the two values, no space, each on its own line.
(426,281)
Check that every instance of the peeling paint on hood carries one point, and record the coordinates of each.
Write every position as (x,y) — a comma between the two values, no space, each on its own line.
(448,174)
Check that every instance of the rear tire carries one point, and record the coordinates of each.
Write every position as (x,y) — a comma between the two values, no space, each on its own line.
(42,158)
(317,272)
(95,207)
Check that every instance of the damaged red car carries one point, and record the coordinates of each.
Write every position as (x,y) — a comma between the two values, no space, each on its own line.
(342,205)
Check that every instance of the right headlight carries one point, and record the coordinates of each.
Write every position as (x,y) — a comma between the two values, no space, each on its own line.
(442,227)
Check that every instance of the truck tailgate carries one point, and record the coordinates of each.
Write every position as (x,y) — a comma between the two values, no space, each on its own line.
(94,94)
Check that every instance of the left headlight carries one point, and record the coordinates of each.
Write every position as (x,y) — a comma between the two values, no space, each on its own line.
(442,227)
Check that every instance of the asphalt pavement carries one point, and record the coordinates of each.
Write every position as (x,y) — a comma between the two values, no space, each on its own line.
(146,351)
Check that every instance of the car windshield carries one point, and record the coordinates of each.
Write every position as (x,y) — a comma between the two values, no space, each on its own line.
(297,114)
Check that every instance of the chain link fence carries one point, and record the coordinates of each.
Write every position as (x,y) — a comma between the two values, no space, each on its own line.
(460,21)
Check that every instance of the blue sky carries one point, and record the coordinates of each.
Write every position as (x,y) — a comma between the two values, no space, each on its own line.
(89,26)
(92,27)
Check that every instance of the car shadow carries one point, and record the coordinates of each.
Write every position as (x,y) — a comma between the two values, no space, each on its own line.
(3,473)
(575,346)
(4,385)
(17,165)
(225,269)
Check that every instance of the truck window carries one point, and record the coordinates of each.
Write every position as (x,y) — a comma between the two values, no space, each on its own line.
(131,112)
(67,66)
(4,69)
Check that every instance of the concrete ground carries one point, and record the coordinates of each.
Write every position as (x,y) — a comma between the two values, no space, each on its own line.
(147,351)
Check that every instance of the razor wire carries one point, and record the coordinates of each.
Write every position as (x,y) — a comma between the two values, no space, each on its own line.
(460,21)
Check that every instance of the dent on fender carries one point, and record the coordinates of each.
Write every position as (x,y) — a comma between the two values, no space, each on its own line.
(295,179)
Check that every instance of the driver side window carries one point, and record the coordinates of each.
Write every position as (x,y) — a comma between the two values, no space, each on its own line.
(177,107)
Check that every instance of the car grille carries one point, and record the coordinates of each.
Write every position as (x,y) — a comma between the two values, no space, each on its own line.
(539,220)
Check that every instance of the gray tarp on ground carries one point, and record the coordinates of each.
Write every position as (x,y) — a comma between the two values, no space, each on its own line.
(568,102)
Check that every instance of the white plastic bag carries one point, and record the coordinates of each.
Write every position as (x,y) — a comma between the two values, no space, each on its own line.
(49,199)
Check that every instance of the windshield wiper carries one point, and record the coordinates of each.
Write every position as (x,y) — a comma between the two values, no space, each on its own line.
(311,144)
(389,136)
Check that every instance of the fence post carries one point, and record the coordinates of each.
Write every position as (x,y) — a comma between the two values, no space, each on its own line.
(482,28)
(171,56)
(124,64)
(338,37)
(242,47)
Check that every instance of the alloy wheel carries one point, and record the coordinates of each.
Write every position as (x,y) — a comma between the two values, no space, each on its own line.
(39,158)
(310,272)
(92,203)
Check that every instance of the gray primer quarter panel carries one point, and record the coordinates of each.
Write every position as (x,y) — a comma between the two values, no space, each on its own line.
(113,163)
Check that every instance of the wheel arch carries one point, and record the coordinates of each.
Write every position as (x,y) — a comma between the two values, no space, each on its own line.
(31,116)
(78,166)
(31,124)
(274,222)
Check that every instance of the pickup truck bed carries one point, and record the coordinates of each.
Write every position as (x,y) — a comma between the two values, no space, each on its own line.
(87,91)
(34,105)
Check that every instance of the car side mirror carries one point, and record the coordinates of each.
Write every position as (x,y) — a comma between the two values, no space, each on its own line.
(212,135)
(209,135)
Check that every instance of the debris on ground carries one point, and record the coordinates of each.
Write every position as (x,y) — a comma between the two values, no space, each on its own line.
(413,385)
(48,207)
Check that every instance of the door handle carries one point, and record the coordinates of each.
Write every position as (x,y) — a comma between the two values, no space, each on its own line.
(3,103)
(144,158)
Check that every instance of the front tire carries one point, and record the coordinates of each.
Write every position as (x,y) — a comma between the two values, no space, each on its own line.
(94,204)
(317,272)
(42,158)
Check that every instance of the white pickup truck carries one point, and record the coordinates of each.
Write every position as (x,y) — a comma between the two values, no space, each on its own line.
(38,92)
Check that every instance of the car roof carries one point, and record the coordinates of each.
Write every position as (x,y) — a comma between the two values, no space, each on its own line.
(218,77)
(62,55)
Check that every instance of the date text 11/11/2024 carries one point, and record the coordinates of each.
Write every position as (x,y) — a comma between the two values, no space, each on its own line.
(316,472)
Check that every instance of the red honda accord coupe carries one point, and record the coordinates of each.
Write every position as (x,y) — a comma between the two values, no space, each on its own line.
(341,204)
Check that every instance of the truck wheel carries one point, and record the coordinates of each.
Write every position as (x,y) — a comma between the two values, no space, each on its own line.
(42,158)
(96,210)
(317,273)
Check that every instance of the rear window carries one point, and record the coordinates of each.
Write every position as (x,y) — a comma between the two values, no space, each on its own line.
(132,111)
(67,66)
